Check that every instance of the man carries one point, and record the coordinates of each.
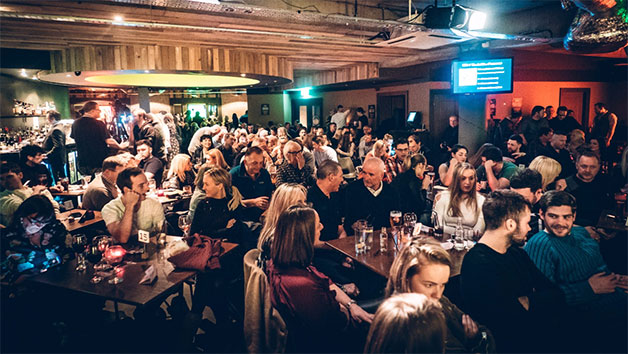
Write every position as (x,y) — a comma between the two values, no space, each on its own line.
(495,170)
(549,112)
(571,259)
(92,139)
(556,150)
(513,146)
(529,184)
(362,119)
(15,192)
(146,129)
(132,211)
(34,172)
(331,131)
(293,169)
(54,146)
(604,124)
(323,195)
(323,152)
(395,164)
(340,117)
(152,166)
(530,126)
(102,189)
(450,137)
(592,191)
(366,142)
(501,286)
(563,122)
(227,150)
(536,147)
(253,182)
(369,198)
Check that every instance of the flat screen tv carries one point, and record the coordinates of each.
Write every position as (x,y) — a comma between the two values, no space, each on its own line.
(411,117)
(482,76)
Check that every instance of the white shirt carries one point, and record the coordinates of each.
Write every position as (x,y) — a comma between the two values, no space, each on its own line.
(468,215)
(340,118)
(149,217)
(376,192)
(327,153)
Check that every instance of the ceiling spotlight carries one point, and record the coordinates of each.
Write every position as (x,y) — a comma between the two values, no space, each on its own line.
(118,18)
(456,17)
(243,75)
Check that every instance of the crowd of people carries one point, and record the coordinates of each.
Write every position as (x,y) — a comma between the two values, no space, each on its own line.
(286,189)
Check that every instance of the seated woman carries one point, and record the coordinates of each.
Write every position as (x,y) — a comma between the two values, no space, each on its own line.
(216,159)
(378,150)
(461,201)
(346,146)
(424,267)
(35,241)
(549,170)
(201,154)
(446,170)
(413,185)
(419,318)
(180,173)
(319,315)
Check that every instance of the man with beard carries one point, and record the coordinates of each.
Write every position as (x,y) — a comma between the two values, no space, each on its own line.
(529,184)
(569,257)
(132,211)
(501,286)
(513,145)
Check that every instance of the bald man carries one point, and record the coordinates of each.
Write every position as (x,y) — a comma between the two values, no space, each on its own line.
(369,198)
(294,169)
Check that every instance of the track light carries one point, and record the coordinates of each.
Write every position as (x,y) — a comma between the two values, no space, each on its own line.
(456,17)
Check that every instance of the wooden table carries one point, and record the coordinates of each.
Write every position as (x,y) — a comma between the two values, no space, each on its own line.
(129,291)
(72,193)
(380,262)
(608,221)
(76,226)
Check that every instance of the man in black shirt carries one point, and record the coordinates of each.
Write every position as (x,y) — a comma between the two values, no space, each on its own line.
(147,129)
(529,184)
(152,166)
(502,287)
(325,199)
(34,172)
(227,150)
(564,123)
(556,150)
(253,182)
(54,146)
(92,139)
(514,145)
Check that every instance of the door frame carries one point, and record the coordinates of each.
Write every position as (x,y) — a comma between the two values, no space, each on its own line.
(434,92)
(297,102)
(585,104)
(391,93)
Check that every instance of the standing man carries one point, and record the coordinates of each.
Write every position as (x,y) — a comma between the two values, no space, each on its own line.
(323,152)
(293,169)
(395,164)
(531,126)
(146,129)
(450,137)
(502,287)
(253,182)
(102,189)
(549,112)
(92,140)
(340,117)
(563,122)
(604,124)
(571,259)
(54,146)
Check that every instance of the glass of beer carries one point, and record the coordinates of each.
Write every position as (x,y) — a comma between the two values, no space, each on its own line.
(395,218)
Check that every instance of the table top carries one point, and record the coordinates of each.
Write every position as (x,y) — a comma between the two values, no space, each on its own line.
(380,262)
(608,221)
(129,291)
(70,193)
(74,226)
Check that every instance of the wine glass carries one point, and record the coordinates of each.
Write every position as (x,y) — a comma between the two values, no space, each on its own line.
(79,244)
(184,224)
(409,220)
(102,243)
(438,228)
(395,218)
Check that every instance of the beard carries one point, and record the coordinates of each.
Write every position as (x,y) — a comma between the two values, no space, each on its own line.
(516,237)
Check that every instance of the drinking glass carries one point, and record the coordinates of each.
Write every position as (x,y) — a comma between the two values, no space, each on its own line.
(410,219)
(184,224)
(457,238)
(438,228)
(468,238)
(395,218)
(86,180)
(383,240)
(79,245)
(368,236)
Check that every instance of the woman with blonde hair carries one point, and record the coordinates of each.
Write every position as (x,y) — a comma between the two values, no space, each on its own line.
(181,172)
(547,167)
(378,150)
(407,323)
(461,201)
(216,159)
(424,267)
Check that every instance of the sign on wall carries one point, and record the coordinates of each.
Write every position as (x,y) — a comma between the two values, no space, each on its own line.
(265,109)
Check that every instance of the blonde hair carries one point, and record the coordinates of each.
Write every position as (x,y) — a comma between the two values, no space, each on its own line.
(379,146)
(221,176)
(285,196)
(407,323)
(547,167)
(177,166)
(409,262)
(457,196)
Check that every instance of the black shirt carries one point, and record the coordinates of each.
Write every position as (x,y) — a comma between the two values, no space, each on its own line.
(566,125)
(591,198)
(262,186)
(414,198)
(328,210)
(154,166)
(90,136)
(360,203)
(228,154)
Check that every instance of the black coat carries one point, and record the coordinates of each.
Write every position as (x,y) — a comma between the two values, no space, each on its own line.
(414,198)
(361,204)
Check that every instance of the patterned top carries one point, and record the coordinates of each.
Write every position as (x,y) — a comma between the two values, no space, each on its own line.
(394,167)
(287,173)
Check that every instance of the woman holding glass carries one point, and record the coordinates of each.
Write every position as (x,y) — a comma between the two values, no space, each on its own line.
(413,185)
(461,203)
(320,317)
(424,267)
(446,170)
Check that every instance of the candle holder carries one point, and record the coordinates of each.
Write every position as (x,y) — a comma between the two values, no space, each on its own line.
(114,256)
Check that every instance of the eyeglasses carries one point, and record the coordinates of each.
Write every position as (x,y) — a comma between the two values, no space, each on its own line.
(295,152)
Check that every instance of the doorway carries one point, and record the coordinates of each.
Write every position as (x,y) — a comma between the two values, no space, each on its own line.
(577,99)
(392,108)
(443,104)
(307,111)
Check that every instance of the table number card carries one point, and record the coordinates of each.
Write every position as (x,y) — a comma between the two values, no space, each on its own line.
(143,236)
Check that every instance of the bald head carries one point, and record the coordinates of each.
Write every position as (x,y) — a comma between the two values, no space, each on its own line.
(372,173)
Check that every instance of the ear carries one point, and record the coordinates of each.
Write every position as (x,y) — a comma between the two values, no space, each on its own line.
(541,214)
(511,225)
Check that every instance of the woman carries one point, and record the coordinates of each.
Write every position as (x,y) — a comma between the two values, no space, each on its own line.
(476,159)
(461,201)
(318,314)
(419,318)
(446,170)
(576,140)
(594,145)
(175,139)
(378,150)
(180,173)
(346,146)
(413,185)
(35,241)
(424,267)
(216,159)
(548,168)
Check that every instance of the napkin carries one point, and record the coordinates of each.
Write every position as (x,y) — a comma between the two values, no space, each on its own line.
(149,275)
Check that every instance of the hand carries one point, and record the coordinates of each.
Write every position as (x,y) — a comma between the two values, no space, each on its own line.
(561,184)
(593,233)
(488,165)
(57,188)
(517,155)
(525,302)
(300,161)
(470,327)
(603,284)
(358,314)
(427,180)
(453,162)
(124,145)
(622,282)
(38,189)
(351,289)
(230,223)
(261,202)
(130,199)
